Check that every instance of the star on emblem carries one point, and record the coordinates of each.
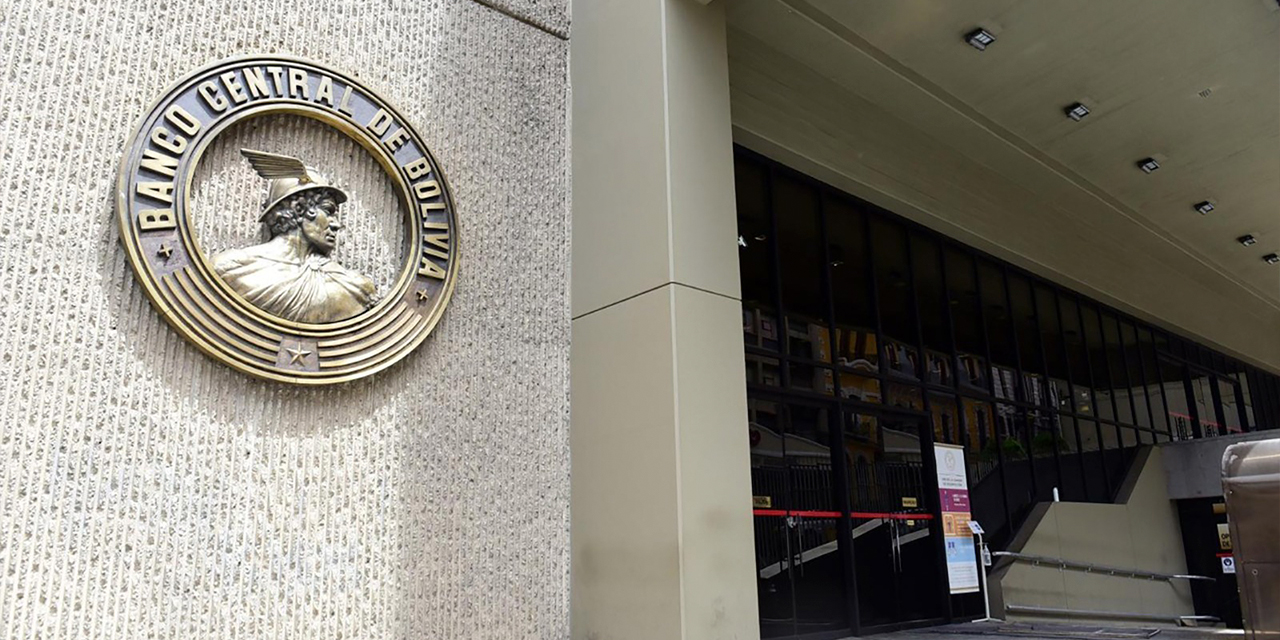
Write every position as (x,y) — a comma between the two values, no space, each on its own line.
(165,251)
(296,354)
(423,296)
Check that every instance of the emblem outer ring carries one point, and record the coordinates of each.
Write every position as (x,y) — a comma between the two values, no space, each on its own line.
(153,213)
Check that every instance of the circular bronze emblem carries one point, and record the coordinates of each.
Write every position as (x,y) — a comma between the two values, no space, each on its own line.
(286,308)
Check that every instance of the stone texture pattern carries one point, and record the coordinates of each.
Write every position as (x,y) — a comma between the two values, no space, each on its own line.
(549,15)
(147,491)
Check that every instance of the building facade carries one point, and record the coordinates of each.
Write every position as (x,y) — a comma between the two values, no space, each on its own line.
(811,243)
(929,250)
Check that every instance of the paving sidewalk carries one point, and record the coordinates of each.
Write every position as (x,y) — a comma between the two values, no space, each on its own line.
(1064,631)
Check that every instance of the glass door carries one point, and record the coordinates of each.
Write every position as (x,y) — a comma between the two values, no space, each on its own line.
(800,563)
(895,536)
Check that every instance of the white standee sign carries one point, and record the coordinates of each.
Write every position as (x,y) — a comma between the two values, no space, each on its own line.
(953,494)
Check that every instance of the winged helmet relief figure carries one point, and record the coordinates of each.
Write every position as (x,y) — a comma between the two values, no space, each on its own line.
(291,276)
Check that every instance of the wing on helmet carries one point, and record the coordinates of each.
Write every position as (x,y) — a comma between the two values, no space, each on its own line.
(271,165)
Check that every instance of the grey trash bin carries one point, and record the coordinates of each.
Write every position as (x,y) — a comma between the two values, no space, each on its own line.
(1251,484)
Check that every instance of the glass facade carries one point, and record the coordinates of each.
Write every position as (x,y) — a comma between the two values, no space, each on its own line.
(868,338)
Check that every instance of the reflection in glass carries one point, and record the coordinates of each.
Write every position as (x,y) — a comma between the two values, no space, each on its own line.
(966,317)
(812,378)
(927,276)
(1097,359)
(1139,389)
(980,428)
(1230,408)
(904,397)
(1000,334)
(799,567)
(946,419)
(896,569)
(1243,381)
(862,388)
(897,318)
(764,370)
(1155,386)
(1116,370)
(851,284)
(1083,461)
(1202,399)
(1077,354)
(755,254)
(1024,320)
(858,350)
(795,205)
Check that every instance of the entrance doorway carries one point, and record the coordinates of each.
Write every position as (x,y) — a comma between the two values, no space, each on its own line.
(894,531)
(846,536)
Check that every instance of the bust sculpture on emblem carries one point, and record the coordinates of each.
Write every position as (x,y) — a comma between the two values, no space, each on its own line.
(286,309)
(291,275)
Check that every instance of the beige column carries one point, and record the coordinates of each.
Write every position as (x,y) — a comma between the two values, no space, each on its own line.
(661,521)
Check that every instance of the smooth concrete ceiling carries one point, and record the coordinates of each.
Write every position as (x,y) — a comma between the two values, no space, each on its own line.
(1194,84)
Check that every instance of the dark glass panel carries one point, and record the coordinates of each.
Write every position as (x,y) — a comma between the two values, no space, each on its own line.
(851,285)
(1092,324)
(1230,406)
(1173,386)
(1090,457)
(764,370)
(1155,388)
(897,318)
(800,572)
(799,248)
(946,419)
(1121,389)
(979,428)
(1243,380)
(755,255)
(987,488)
(1025,326)
(1128,437)
(1000,336)
(1073,485)
(1054,349)
(904,397)
(858,387)
(896,569)
(926,268)
(1045,443)
(1019,469)
(812,378)
(1202,401)
(795,205)
(1138,388)
(966,315)
(1077,355)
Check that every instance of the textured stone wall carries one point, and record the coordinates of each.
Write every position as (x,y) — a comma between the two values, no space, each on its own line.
(147,491)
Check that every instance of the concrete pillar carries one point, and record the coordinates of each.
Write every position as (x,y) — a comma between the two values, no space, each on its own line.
(661,520)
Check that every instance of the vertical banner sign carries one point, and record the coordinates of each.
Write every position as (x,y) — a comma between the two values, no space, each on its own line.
(953,495)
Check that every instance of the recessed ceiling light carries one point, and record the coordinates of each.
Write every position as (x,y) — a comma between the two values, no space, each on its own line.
(1148,165)
(1077,111)
(1271,258)
(1204,207)
(979,39)
(1247,240)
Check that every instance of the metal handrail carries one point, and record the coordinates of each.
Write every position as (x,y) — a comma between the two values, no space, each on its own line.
(1097,568)
(1077,613)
